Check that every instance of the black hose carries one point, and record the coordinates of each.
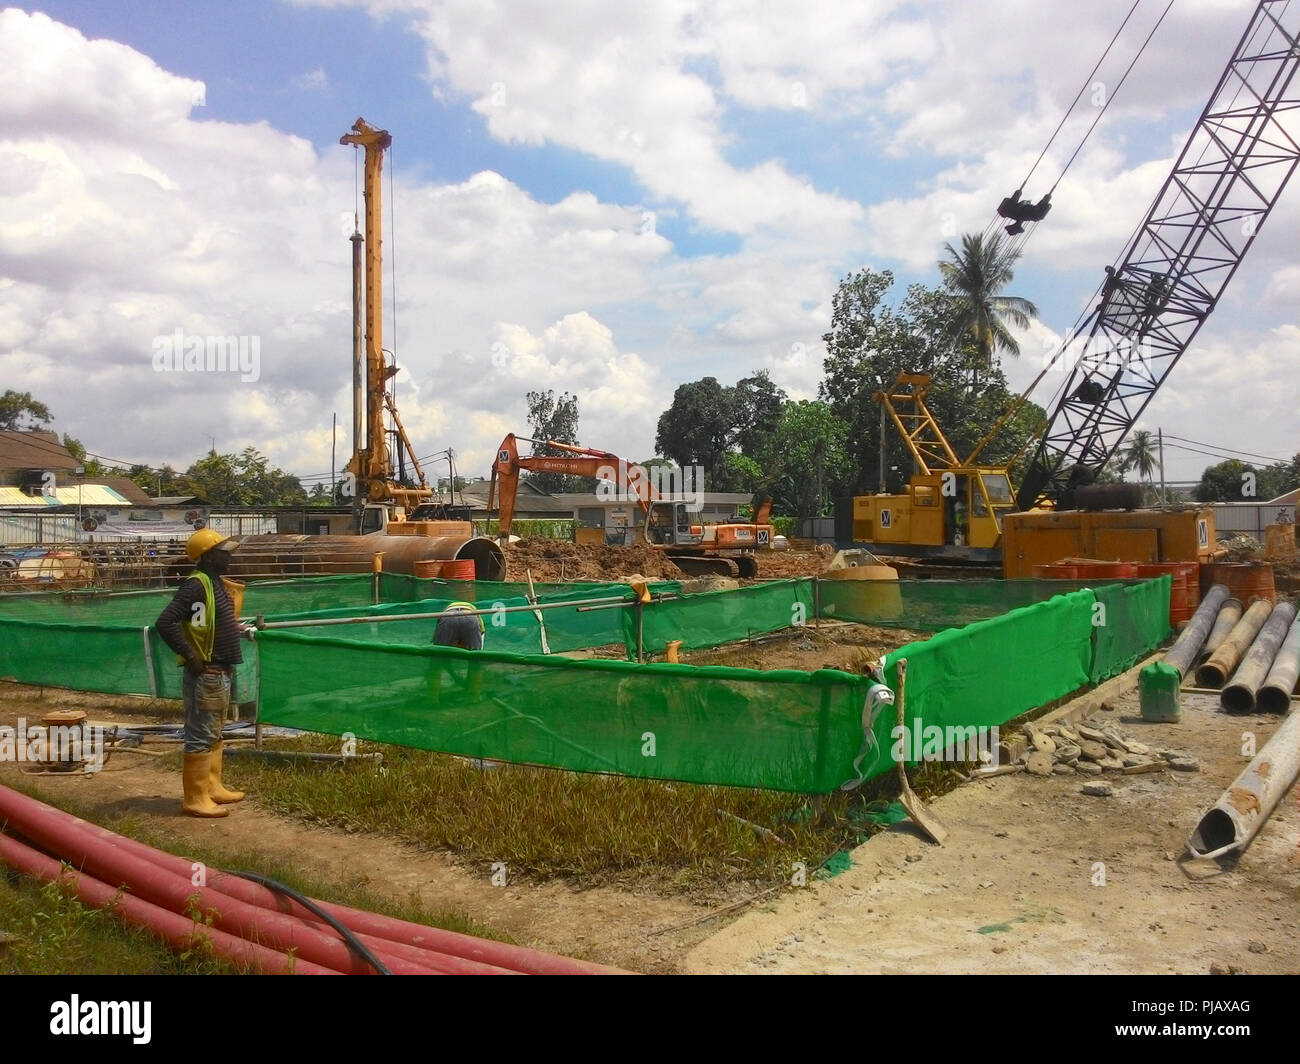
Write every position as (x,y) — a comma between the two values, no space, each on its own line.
(355,944)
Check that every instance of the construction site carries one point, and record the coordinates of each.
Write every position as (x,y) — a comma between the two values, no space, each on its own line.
(1010,717)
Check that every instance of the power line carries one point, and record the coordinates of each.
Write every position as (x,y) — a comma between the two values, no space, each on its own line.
(1217,448)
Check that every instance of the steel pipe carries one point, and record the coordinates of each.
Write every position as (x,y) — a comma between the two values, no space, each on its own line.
(1275,694)
(1229,614)
(318,555)
(1239,695)
(1216,669)
(1183,652)
(1238,815)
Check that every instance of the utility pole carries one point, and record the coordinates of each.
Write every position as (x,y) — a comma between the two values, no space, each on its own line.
(1160,443)
(882,487)
(334,439)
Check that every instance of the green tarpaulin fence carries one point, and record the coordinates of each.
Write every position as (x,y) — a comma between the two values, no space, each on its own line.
(783,730)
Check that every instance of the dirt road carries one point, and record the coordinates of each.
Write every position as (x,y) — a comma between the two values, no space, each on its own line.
(1037,877)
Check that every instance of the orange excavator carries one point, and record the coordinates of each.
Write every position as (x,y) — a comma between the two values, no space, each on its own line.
(726,549)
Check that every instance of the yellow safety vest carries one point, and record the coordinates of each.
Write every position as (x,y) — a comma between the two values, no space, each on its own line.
(202,636)
(468,606)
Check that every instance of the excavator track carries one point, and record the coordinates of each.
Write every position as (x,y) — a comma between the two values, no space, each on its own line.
(739,566)
(704,565)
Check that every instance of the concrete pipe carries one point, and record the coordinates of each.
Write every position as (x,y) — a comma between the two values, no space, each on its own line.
(273,555)
(1183,652)
(1219,665)
(1238,815)
(1239,695)
(1229,614)
(1275,694)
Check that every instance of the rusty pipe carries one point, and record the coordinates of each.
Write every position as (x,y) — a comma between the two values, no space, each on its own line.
(1238,815)
(293,555)
(1216,669)
(1229,614)
(1184,650)
(1275,694)
(1239,695)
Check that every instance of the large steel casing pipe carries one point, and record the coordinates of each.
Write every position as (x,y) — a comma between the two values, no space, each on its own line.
(1184,650)
(1274,695)
(1216,669)
(1238,815)
(1239,695)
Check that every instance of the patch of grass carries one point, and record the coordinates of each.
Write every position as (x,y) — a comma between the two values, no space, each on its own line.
(546,823)
(346,892)
(53,933)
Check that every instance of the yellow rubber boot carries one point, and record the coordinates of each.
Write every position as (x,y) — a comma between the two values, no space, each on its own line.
(217,791)
(195,777)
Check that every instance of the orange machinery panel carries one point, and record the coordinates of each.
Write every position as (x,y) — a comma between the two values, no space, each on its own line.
(1043,537)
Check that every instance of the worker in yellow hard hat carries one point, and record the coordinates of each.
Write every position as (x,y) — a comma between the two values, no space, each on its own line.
(201,623)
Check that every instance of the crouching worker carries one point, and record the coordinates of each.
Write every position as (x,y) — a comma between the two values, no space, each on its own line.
(460,627)
(201,623)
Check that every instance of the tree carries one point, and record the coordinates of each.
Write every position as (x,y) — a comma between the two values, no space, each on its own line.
(93,466)
(1230,481)
(1140,456)
(871,342)
(757,405)
(553,419)
(1279,478)
(708,421)
(698,429)
(19,410)
(809,452)
(245,479)
(976,276)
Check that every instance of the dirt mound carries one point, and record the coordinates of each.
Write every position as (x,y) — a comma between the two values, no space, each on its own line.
(558,560)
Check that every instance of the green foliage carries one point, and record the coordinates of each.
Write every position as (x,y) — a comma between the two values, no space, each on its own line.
(871,342)
(530,528)
(808,452)
(1231,481)
(93,466)
(708,421)
(976,275)
(554,419)
(20,410)
(244,479)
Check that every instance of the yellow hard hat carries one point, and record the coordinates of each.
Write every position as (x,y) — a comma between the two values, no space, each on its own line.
(201,542)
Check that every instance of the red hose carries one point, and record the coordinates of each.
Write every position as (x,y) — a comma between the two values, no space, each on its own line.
(498,956)
(106,861)
(177,931)
(404,946)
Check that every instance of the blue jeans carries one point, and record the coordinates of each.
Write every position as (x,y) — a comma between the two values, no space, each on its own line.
(206,697)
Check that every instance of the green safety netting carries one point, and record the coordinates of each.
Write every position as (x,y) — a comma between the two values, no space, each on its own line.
(782,730)
(1128,622)
(933,605)
(986,673)
(715,617)
(113,659)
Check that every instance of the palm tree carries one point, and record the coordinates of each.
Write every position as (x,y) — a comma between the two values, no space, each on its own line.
(975,276)
(1140,455)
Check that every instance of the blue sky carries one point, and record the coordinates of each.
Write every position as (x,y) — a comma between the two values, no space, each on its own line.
(621,199)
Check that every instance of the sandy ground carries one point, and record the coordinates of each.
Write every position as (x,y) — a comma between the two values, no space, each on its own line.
(1015,889)
(1018,886)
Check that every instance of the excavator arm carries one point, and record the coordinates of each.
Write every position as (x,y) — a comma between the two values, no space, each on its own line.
(577,461)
